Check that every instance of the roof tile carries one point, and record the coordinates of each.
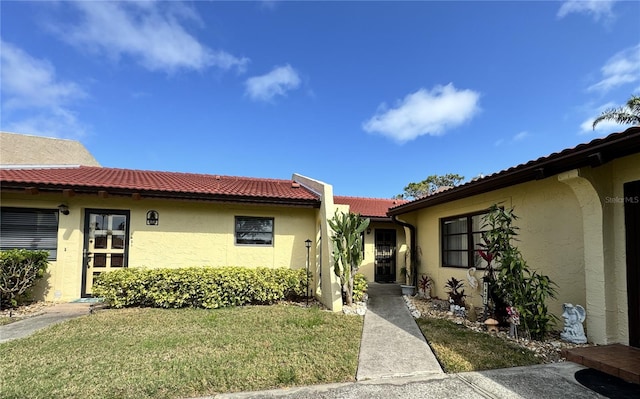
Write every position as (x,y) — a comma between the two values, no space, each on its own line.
(368,207)
(155,181)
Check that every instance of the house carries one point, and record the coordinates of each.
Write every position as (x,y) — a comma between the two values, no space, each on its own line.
(95,219)
(21,150)
(579,220)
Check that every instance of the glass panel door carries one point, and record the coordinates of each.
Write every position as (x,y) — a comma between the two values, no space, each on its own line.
(106,243)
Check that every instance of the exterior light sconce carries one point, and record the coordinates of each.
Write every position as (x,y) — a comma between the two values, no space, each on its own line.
(368,231)
(307,244)
(64,209)
(152,218)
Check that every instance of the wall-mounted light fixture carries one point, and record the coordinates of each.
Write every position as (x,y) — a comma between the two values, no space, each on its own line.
(64,209)
(368,231)
(152,218)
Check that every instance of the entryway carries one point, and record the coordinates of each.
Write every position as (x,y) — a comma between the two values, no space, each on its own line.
(385,256)
(632,237)
(106,243)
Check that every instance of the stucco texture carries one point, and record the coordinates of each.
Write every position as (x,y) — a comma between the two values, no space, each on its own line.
(188,234)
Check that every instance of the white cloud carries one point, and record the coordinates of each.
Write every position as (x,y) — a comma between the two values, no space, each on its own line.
(520,136)
(30,82)
(598,9)
(275,83)
(621,69)
(516,138)
(149,32)
(604,127)
(58,122)
(31,89)
(425,113)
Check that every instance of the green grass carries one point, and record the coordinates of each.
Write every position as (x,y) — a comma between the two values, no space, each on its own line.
(155,353)
(460,349)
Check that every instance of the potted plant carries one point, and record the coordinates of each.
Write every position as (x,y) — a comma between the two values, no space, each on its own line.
(407,288)
(424,286)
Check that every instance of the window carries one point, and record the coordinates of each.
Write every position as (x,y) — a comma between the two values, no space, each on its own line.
(460,238)
(25,228)
(254,230)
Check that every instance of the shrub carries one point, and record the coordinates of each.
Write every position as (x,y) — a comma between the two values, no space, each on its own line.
(199,287)
(516,283)
(360,286)
(20,269)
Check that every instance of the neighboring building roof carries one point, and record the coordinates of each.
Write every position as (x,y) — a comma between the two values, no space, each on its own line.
(142,183)
(594,153)
(368,207)
(21,149)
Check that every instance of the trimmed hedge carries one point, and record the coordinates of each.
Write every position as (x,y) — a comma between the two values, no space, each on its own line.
(199,287)
(20,269)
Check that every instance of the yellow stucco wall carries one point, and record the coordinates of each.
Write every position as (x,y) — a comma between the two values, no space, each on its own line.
(550,237)
(557,216)
(188,234)
(609,181)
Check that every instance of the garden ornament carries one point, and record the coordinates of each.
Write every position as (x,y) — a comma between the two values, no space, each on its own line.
(492,325)
(573,317)
(473,282)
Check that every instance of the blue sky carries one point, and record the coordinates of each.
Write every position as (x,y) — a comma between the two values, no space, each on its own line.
(367,96)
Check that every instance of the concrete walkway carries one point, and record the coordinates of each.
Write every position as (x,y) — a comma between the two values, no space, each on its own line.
(395,361)
(51,315)
(392,344)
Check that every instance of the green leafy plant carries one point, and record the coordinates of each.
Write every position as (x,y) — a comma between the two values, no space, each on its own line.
(360,287)
(199,287)
(456,293)
(515,282)
(20,269)
(347,248)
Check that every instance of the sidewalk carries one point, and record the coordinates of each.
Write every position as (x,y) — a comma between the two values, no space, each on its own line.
(392,344)
(396,361)
(51,315)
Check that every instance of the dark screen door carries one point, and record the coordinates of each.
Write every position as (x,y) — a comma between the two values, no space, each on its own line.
(385,260)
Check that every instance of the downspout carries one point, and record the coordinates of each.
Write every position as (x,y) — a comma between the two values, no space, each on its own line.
(413,250)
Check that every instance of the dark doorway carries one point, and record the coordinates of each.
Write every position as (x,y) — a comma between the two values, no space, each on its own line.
(632,237)
(385,262)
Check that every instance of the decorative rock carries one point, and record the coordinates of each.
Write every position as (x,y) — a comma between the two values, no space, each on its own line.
(573,317)
(549,351)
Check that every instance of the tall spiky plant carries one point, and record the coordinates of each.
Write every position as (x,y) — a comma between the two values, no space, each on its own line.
(347,248)
(629,114)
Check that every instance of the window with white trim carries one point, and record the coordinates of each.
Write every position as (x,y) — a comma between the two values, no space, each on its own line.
(251,230)
(29,228)
(460,237)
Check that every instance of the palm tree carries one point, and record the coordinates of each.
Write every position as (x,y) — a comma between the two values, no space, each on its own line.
(626,115)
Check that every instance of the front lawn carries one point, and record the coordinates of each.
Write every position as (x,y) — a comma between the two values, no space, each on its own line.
(156,353)
(460,349)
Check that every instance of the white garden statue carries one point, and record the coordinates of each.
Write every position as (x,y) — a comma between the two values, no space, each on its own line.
(573,317)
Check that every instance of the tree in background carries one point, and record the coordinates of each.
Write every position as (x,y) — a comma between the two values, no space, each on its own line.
(429,185)
(347,248)
(628,114)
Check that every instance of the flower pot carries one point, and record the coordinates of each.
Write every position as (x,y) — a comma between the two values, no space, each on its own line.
(409,290)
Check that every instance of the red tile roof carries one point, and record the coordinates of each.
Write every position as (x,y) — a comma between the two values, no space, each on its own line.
(368,207)
(157,184)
